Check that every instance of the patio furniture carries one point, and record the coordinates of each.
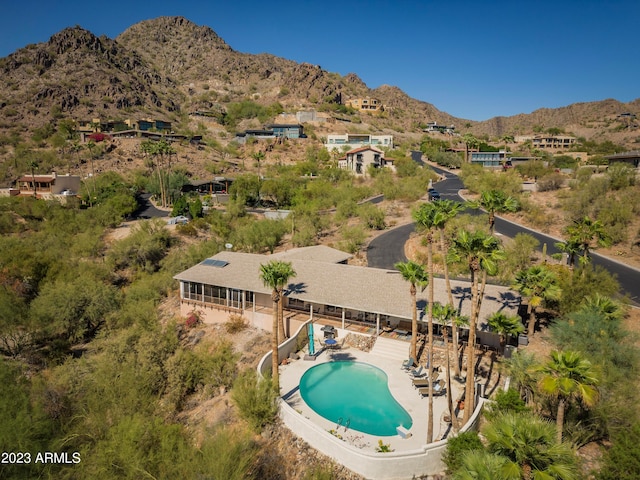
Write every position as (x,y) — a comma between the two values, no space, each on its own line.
(417,372)
(421,382)
(331,343)
(407,364)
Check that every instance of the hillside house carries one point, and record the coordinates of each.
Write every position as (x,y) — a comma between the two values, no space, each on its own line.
(630,158)
(360,159)
(52,184)
(488,159)
(366,104)
(354,140)
(324,288)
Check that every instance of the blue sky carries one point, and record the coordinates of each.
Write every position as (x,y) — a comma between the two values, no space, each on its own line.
(472,59)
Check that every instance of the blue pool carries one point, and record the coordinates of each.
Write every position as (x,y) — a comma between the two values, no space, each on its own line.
(357,393)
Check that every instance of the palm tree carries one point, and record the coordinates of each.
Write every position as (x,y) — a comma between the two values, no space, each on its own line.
(481,253)
(528,443)
(425,219)
(469,142)
(571,248)
(276,275)
(584,232)
(609,309)
(567,376)
(505,325)
(413,273)
(538,284)
(446,210)
(482,465)
(445,315)
(496,201)
(33,165)
(521,368)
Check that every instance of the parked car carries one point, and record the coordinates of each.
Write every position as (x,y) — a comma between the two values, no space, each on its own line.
(67,193)
(433,195)
(179,220)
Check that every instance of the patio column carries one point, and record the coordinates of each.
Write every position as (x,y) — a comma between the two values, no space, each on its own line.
(343,315)
(377,324)
(311,311)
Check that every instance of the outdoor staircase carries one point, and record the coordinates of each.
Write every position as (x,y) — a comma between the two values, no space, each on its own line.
(391,348)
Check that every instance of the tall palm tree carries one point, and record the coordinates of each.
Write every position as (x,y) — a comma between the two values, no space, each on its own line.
(425,220)
(446,210)
(538,284)
(469,142)
(585,232)
(33,165)
(413,273)
(275,275)
(567,376)
(505,325)
(481,253)
(528,443)
(445,314)
(496,201)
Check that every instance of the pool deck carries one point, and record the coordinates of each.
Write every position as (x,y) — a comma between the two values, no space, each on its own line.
(400,386)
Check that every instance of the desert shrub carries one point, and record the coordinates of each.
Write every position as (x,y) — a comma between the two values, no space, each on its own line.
(506,401)
(187,229)
(551,181)
(235,324)
(621,176)
(458,446)
(622,460)
(533,169)
(255,399)
(353,238)
(372,216)
(228,454)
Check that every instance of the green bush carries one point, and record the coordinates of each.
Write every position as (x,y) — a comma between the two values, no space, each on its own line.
(458,446)
(255,399)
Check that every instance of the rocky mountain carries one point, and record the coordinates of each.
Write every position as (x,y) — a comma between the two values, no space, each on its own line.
(168,67)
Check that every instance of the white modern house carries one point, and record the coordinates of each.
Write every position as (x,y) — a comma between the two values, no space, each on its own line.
(356,140)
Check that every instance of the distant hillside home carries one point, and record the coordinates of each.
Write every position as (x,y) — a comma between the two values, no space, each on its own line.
(352,140)
(52,184)
(488,159)
(359,160)
(273,130)
(552,142)
(366,104)
(630,158)
(294,130)
(434,127)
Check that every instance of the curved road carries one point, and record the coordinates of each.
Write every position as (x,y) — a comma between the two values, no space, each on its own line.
(387,249)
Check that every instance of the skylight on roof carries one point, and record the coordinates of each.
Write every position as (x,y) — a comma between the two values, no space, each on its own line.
(212,262)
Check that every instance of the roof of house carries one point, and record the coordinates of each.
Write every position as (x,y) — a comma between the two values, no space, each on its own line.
(318,253)
(363,149)
(38,178)
(348,286)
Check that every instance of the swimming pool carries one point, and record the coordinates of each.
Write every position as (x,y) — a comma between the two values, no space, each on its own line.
(354,394)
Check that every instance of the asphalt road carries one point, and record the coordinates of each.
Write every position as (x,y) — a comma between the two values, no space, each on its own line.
(387,249)
(146,209)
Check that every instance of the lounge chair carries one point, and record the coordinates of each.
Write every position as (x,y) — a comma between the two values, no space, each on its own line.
(408,364)
(421,382)
(417,372)
(436,393)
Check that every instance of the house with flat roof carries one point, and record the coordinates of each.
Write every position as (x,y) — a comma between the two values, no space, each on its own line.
(51,184)
(326,289)
(488,159)
(630,158)
(359,160)
(552,142)
(354,140)
(366,104)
